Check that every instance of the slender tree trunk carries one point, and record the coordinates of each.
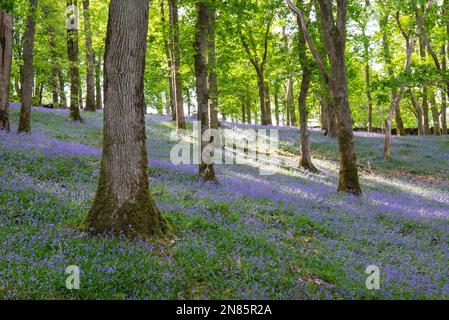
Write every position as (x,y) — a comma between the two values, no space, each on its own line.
(435,116)
(261,84)
(324,117)
(28,72)
(369,97)
(123,203)
(206,168)
(98,95)
(276,107)
(176,64)
(419,114)
(80,95)
(212,68)
(54,58)
(90,79)
(268,119)
(62,95)
(248,111)
(6,45)
(73,54)
(306,158)
(41,91)
(243,110)
(444,130)
(168,48)
(291,104)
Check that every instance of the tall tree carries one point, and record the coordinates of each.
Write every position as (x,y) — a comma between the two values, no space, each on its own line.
(90,80)
(6,43)
(54,56)
(306,158)
(259,64)
(206,168)
(334,29)
(410,42)
(28,69)
(212,67)
(171,104)
(176,64)
(73,54)
(123,203)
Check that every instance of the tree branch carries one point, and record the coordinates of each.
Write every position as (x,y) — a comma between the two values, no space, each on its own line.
(306,33)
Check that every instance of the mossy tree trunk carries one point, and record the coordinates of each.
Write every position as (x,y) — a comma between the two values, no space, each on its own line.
(28,69)
(123,203)
(6,44)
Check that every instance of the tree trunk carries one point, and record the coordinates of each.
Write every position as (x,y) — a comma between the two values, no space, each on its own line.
(435,116)
(261,84)
(291,104)
(73,54)
(268,119)
(62,95)
(419,114)
(248,111)
(171,108)
(335,41)
(123,203)
(54,58)
(6,45)
(324,117)
(369,98)
(98,95)
(243,110)
(276,107)
(28,72)
(206,168)
(176,65)
(212,61)
(306,158)
(90,79)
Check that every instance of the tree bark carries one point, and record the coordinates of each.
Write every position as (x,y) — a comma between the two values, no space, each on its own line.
(73,54)
(176,65)
(6,45)
(90,79)
(206,168)
(123,203)
(28,69)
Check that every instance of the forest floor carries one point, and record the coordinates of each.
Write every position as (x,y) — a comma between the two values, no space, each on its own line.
(286,236)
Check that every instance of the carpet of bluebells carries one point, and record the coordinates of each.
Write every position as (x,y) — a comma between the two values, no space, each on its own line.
(286,236)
